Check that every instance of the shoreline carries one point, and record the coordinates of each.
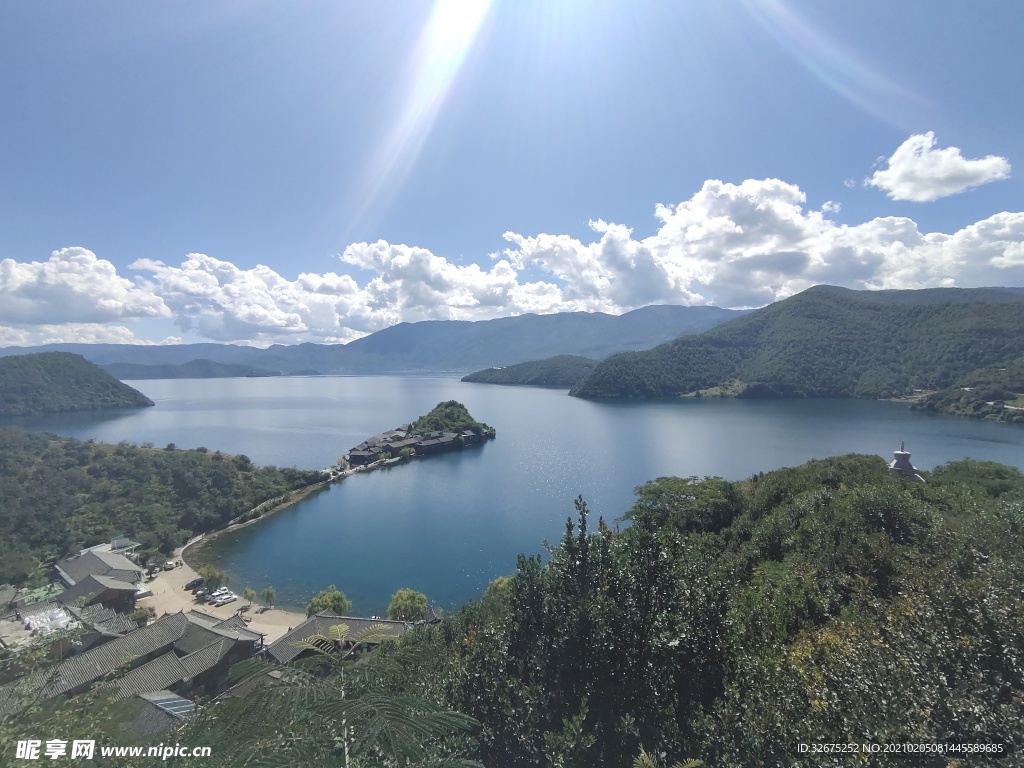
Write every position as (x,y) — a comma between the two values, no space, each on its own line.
(169,596)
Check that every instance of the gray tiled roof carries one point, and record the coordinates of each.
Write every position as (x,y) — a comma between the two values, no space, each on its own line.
(159,673)
(203,659)
(170,669)
(91,563)
(234,621)
(284,649)
(97,662)
(105,619)
(92,586)
(176,633)
(194,638)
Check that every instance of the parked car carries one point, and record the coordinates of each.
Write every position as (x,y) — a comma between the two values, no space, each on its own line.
(169,565)
(198,582)
(199,592)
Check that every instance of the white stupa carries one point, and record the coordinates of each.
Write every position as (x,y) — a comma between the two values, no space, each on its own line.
(901,464)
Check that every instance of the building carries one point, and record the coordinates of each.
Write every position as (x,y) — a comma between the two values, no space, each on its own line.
(901,465)
(186,653)
(287,648)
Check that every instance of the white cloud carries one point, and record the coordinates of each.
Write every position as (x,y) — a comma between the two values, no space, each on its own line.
(71,287)
(919,172)
(71,333)
(734,245)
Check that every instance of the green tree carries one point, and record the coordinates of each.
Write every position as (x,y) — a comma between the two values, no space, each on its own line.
(268,596)
(407,605)
(213,578)
(330,599)
(249,595)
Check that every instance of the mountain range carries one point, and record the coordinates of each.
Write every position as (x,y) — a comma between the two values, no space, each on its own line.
(435,345)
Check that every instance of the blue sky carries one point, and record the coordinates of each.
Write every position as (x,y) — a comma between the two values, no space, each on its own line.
(265,172)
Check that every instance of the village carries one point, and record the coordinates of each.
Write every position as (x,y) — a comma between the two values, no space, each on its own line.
(145,637)
(401,442)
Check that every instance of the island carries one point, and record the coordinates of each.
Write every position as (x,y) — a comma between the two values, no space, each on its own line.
(447,427)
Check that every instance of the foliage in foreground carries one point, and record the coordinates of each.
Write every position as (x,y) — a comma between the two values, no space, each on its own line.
(733,621)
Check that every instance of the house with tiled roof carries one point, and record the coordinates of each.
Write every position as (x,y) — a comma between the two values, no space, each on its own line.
(286,648)
(104,590)
(178,651)
(97,562)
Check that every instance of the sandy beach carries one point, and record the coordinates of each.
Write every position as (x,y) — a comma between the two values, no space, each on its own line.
(170,596)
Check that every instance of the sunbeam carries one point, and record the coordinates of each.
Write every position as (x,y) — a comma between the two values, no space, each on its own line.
(442,47)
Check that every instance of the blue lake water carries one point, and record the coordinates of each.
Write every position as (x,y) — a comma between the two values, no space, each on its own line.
(449,524)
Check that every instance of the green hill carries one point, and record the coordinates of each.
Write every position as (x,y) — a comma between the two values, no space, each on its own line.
(60,495)
(995,393)
(450,416)
(558,371)
(829,342)
(59,381)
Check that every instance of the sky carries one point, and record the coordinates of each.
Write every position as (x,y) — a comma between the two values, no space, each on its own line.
(269,172)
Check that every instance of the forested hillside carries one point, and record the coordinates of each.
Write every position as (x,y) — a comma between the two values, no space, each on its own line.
(558,371)
(60,495)
(58,381)
(829,342)
(995,393)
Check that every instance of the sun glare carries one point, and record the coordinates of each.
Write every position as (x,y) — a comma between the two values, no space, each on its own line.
(446,38)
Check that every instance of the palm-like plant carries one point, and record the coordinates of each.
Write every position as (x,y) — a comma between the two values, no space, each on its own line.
(646,760)
(327,709)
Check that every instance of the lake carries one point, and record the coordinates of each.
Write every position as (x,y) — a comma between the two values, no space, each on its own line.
(449,524)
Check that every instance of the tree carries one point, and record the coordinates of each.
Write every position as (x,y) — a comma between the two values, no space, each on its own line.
(330,599)
(269,595)
(249,595)
(213,578)
(407,605)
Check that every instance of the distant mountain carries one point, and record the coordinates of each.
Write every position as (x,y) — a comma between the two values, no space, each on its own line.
(193,369)
(829,342)
(558,371)
(434,345)
(58,381)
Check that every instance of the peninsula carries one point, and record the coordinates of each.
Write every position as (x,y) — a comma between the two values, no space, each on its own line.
(447,427)
(51,382)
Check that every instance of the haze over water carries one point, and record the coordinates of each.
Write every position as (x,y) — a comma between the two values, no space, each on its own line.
(449,524)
